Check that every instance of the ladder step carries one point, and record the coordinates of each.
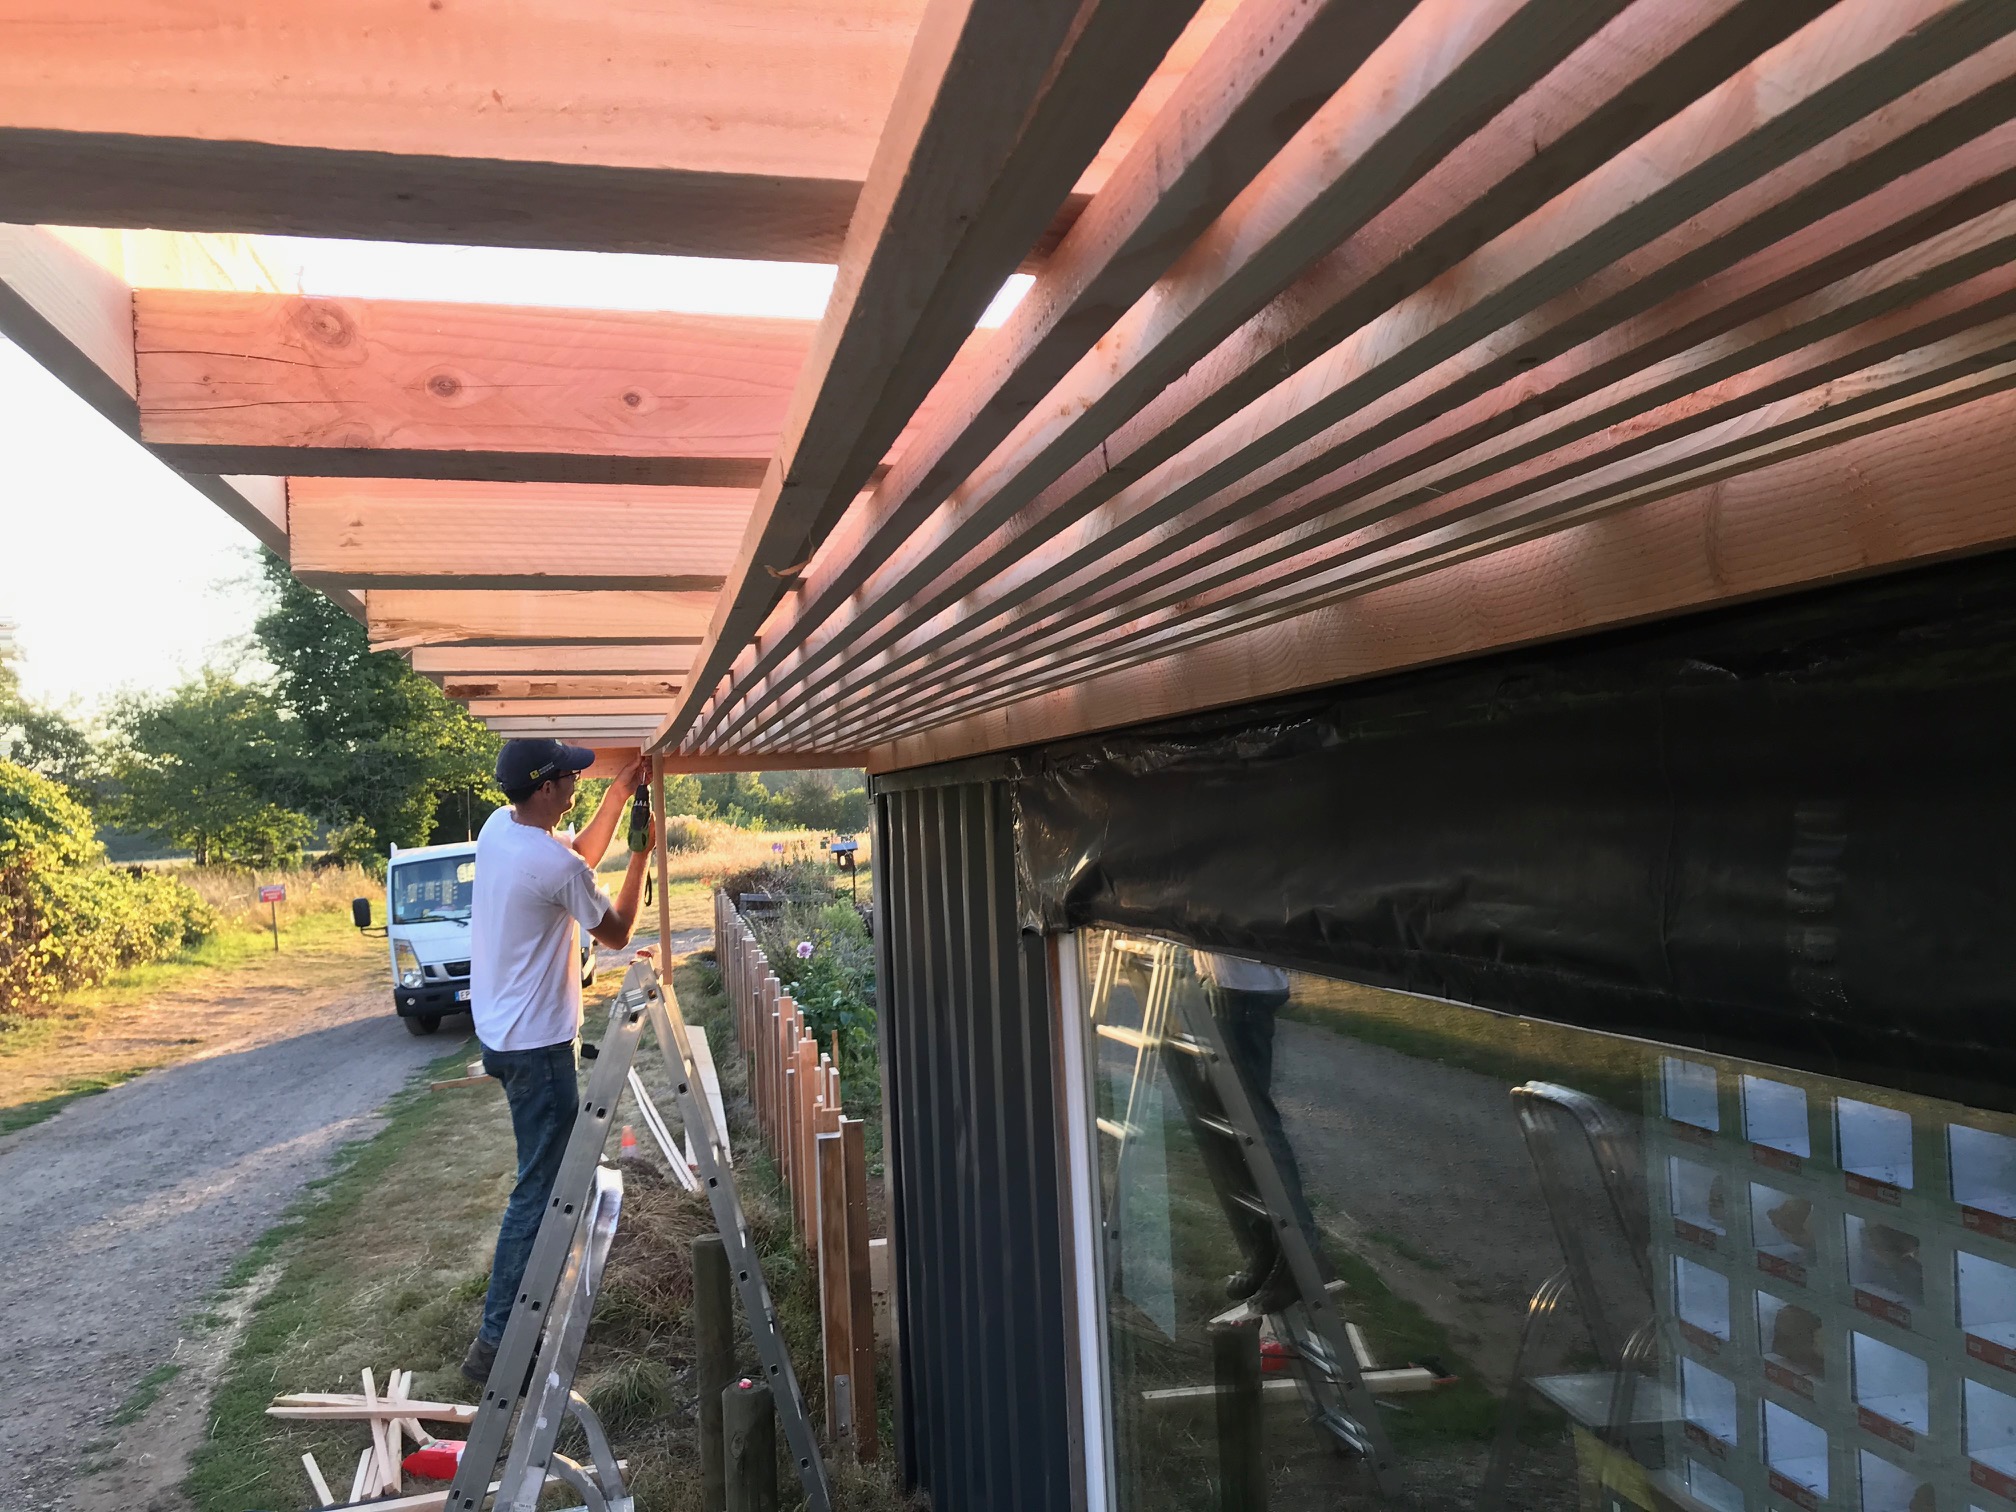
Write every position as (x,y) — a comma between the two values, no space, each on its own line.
(1116,1130)
(1251,1203)
(1219,1126)
(1133,1039)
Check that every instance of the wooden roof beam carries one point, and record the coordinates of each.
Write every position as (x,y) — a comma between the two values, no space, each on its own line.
(1003,104)
(1738,137)
(403,533)
(1938,486)
(1397,167)
(653,659)
(559,688)
(738,128)
(649,710)
(401,619)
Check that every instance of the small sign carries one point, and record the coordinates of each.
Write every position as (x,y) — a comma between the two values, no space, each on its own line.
(1777,1159)
(1786,1377)
(1779,1266)
(1988,1352)
(845,846)
(1701,1438)
(1981,1221)
(1876,1191)
(1884,1428)
(277,893)
(1700,1338)
(1693,1233)
(1988,1478)
(1792,1491)
(1882,1307)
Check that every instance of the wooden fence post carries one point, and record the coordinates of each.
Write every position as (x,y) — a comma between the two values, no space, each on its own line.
(860,1290)
(836,1311)
(749,1428)
(714,1361)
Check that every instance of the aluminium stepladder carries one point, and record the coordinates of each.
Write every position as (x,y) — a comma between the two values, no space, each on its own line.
(1334,1392)
(1592,1180)
(536,1400)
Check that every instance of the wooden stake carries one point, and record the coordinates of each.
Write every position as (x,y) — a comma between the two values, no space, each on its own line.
(315,1479)
(363,1474)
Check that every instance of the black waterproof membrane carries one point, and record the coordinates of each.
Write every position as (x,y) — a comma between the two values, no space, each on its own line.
(1786,831)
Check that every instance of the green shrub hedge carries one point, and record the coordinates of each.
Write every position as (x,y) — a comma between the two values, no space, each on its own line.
(66,918)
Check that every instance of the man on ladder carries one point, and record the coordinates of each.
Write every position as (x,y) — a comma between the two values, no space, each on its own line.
(1244,997)
(532,889)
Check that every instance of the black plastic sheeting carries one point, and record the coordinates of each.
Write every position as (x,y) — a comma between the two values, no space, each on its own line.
(1784,832)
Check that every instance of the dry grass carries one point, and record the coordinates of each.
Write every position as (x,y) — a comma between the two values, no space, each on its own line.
(386,1266)
(729,850)
(234,892)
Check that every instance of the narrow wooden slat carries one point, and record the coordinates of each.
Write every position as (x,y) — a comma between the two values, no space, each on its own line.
(1003,105)
(1928,380)
(1932,487)
(1350,176)
(860,1291)
(492,708)
(1264,75)
(1740,136)
(836,1296)
(1256,534)
(403,533)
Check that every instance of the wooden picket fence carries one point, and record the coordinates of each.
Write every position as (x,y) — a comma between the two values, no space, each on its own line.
(823,1158)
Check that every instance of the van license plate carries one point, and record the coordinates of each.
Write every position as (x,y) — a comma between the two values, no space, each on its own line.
(462,994)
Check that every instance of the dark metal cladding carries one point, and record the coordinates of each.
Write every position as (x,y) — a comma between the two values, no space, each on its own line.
(972,1157)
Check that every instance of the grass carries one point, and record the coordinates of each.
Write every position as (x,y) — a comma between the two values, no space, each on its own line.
(1507,1049)
(22,1115)
(385,1264)
(143,1396)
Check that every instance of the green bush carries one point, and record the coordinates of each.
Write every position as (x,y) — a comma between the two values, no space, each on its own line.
(819,949)
(683,834)
(66,919)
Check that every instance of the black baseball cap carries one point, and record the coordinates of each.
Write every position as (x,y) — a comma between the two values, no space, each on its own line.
(527,763)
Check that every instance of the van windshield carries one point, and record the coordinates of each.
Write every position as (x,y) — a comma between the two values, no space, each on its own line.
(437,888)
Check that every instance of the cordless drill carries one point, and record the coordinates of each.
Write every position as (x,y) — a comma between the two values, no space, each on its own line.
(640,819)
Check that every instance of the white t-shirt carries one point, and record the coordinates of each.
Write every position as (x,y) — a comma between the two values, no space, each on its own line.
(524,975)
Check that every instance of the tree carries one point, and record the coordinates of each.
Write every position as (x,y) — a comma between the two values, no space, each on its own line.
(198,769)
(382,755)
(44,740)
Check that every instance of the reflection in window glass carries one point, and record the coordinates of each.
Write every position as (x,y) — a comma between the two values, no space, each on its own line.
(1531,1267)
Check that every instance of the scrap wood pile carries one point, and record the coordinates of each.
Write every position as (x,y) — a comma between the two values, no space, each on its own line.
(390,1420)
(822,1157)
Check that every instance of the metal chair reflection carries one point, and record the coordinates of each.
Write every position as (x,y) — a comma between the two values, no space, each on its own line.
(1592,1180)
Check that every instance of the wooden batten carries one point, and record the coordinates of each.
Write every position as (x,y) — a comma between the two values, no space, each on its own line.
(401,618)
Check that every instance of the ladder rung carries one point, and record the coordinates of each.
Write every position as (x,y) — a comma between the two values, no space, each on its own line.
(1108,1126)
(1251,1203)
(1134,1039)
(1219,1126)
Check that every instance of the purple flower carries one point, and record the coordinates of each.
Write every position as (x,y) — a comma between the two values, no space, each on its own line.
(804,950)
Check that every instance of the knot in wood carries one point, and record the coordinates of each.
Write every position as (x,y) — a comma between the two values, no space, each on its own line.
(632,398)
(326,324)
(444,385)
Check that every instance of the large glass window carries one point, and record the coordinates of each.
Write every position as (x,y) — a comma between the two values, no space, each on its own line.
(434,887)
(1358,1249)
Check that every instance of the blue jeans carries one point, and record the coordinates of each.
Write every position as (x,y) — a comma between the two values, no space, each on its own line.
(544,1097)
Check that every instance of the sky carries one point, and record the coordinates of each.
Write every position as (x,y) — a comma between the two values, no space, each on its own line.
(120,577)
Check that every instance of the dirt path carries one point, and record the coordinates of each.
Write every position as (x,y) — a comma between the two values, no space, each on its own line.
(120,1215)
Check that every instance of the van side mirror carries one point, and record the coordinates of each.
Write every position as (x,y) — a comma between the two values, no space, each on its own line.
(360,912)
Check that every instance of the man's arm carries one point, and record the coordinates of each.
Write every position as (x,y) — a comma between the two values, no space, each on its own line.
(614,930)
(592,844)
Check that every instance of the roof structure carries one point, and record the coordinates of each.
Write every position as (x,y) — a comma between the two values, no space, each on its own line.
(1364,333)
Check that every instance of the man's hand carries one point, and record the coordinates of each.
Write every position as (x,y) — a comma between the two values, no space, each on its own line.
(592,844)
(633,774)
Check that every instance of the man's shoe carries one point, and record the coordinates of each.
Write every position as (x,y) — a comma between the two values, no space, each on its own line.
(1277,1291)
(476,1364)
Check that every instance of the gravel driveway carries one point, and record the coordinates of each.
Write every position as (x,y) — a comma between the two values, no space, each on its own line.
(119,1216)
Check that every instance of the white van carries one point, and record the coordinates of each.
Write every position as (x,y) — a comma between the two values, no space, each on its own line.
(428,893)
